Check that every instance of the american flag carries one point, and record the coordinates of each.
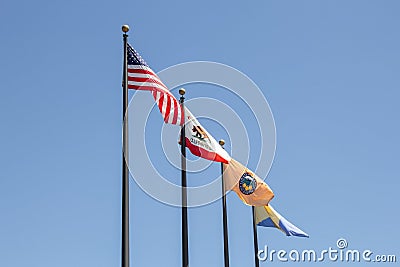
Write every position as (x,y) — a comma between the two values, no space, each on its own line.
(141,77)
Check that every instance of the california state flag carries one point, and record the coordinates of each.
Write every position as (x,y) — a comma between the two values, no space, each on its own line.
(201,143)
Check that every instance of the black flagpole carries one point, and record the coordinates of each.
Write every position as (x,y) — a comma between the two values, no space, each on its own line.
(224,213)
(185,251)
(257,263)
(125,171)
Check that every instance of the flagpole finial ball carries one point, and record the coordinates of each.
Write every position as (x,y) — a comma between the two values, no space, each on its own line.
(125,28)
(221,142)
(182,91)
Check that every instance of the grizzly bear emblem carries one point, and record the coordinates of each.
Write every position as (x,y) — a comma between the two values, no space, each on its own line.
(199,132)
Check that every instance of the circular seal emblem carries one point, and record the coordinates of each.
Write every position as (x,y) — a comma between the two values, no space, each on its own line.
(247,183)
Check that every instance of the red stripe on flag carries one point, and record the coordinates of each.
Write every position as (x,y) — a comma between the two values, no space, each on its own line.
(205,154)
(142,71)
(160,105)
(148,80)
(168,109)
(176,106)
(140,87)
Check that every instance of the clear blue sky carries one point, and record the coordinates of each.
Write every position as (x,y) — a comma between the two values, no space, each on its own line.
(329,69)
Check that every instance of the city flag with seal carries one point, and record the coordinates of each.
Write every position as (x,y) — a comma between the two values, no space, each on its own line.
(201,143)
(249,187)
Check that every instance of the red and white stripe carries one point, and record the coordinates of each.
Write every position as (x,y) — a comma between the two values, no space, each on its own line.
(143,78)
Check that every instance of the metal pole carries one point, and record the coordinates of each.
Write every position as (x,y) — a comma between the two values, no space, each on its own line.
(125,152)
(257,263)
(224,213)
(185,250)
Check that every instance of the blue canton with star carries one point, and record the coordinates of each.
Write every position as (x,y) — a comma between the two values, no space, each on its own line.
(134,58)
